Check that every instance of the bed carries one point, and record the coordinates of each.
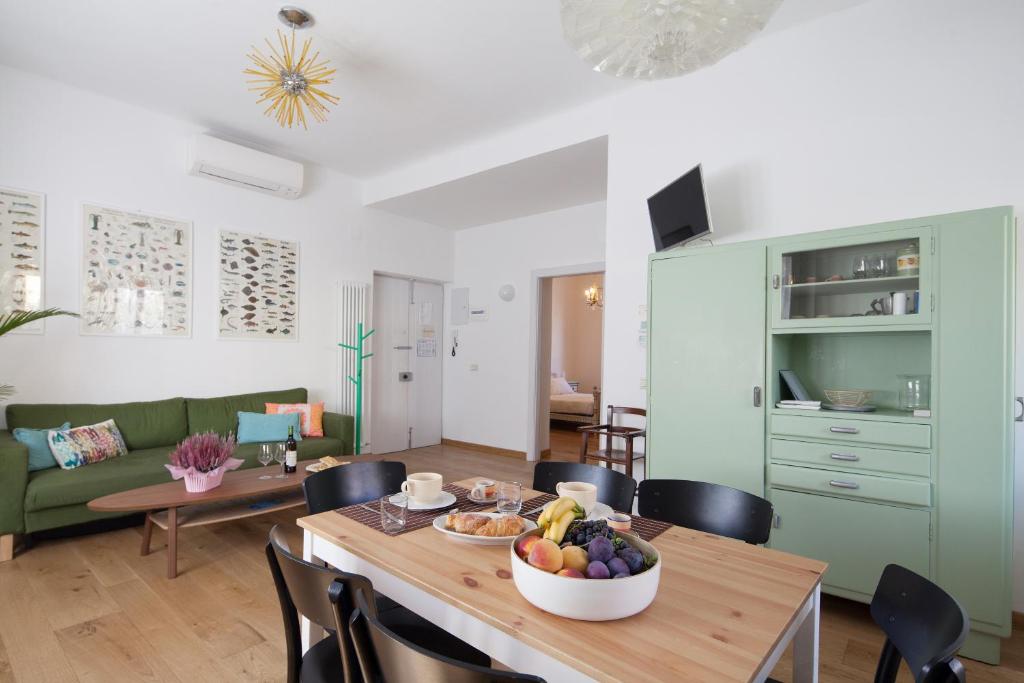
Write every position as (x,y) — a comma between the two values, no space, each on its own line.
(569,405)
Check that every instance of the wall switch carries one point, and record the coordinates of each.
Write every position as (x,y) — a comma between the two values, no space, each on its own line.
(473,367)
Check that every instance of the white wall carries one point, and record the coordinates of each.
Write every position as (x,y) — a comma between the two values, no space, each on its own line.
(75,146)
(576,330)
(490,406)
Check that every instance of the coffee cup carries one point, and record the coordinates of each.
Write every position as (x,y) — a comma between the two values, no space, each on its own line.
(582,492)
(484,489)
(423,487)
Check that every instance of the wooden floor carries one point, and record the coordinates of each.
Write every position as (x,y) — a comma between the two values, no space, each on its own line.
(91,609)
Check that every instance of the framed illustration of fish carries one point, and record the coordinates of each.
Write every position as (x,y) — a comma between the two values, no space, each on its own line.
(22,225)
(251,305)
(136,273)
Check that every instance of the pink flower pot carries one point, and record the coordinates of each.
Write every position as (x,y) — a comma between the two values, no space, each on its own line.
(197,482)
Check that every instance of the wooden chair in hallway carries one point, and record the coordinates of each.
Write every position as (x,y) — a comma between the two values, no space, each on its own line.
(613,434)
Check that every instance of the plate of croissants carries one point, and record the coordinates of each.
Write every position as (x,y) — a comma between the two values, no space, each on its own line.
(483,528)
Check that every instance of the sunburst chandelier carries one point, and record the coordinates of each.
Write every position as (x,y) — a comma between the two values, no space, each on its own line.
(651,39)
(290,83)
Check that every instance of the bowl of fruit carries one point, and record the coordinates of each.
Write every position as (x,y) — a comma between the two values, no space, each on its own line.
(585,570)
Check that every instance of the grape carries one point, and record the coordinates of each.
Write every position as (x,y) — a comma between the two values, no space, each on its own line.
(600,550)
(617,565)
(598,570)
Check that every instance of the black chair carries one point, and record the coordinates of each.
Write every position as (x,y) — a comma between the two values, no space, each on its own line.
(386,657)
(302,589)
(613,488)
(713,508)
(351,484)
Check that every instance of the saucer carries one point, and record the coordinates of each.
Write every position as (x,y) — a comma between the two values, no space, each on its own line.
(442,501)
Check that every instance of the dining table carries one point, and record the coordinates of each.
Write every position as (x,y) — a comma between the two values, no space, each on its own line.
(724,611)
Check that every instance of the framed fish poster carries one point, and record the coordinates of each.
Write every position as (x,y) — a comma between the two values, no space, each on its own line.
(259,292)
(136,273)
(21,253)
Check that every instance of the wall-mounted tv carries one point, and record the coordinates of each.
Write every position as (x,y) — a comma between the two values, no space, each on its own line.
(679,211)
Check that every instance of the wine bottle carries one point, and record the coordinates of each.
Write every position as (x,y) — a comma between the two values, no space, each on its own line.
(291,452)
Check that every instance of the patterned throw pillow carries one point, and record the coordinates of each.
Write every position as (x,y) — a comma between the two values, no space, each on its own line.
(311,416)
(79,446)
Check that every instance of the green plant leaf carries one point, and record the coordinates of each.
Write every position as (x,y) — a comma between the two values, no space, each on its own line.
(13,321)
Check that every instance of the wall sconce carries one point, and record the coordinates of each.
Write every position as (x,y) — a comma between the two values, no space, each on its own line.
(593,296)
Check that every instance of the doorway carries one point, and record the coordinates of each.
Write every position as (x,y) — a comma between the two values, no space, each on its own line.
(567,359)
(406,370)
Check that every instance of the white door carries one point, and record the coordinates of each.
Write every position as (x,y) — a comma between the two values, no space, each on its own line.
(406,367)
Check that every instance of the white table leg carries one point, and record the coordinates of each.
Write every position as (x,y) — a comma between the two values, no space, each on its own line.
(805,644)
(311,633)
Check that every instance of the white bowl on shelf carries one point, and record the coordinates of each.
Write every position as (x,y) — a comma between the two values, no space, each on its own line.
(587,599)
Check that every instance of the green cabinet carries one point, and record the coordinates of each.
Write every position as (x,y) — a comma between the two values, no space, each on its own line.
(855,308)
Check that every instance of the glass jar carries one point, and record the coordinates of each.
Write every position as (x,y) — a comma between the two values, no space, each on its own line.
(908,260)
(915,392)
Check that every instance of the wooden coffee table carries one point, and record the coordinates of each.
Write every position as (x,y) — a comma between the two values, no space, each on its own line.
(170,507)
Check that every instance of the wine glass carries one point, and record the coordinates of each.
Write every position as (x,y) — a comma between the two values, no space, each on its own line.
(266,456)
(510,497)
(393,508)
(279,456)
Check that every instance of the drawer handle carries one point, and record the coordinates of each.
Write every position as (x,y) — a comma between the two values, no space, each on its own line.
(848,457)
(844,430)
(843,484)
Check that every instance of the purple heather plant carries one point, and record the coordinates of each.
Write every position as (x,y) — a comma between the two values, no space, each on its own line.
(204,452)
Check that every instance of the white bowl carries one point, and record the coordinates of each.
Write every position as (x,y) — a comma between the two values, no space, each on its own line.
(587,599)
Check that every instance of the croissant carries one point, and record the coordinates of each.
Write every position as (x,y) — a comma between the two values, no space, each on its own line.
(506,525)
(463,523)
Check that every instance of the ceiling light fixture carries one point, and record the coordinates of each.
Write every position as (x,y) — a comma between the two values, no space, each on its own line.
(292,83)
(652,39)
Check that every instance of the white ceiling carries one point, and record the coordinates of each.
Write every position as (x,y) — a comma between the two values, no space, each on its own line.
(570,176)
(415,76)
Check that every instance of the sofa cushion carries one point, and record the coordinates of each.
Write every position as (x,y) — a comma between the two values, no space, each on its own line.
(40,457)
(87,445)
(220,414)
(147,424)
(56,487)
(263,428)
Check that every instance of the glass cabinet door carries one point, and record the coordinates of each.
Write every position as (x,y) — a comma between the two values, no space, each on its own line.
(875,280)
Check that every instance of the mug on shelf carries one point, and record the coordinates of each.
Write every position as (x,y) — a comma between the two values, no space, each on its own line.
(423,487)
(582,492)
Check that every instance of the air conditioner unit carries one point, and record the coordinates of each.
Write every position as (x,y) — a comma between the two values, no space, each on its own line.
(236,165)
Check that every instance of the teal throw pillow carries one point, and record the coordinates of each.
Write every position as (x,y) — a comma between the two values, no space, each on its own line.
(40,457)
(262,428)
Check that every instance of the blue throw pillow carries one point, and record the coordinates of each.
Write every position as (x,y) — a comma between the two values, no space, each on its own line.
(262,428)
(39,455)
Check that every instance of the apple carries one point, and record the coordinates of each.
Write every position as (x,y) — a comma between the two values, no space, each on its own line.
(571,573)
(575,557)
(524,544)
(546,555)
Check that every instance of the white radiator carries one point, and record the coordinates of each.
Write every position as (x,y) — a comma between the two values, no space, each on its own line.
(353,300)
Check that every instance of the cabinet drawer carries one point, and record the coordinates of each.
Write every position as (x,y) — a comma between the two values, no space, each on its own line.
(854,431)
(853,457)
(857,539)
(852,485)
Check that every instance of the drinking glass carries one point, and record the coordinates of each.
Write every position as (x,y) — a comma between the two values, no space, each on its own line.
(279,455)
(392,512)
(860,267)
(510,497)
(877,265)
(266,456)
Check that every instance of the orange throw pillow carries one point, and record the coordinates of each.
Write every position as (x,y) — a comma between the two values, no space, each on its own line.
(311,416)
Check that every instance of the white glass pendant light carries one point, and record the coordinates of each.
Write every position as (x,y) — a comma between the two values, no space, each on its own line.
(652,39)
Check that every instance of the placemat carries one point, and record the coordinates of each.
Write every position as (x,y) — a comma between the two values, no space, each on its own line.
(414,519)
(536,502)
(648,529)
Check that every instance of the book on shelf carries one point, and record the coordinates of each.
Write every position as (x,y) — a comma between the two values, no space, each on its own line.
(799,405)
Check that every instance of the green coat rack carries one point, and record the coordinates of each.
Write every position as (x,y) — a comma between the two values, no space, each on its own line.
(358,381)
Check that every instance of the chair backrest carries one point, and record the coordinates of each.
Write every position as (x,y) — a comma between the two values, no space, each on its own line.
(707,507)
(613,488)
(389,658)
(302,589)
(351,484)
(622,410)
(923,624)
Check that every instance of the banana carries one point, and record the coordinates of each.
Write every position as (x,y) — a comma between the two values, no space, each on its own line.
(554,511)
(559,526)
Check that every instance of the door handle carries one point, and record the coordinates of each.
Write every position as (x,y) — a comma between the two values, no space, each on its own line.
(848,457)
(844,430)
(757,397)
(403,348)
(1020,402)
(843,484)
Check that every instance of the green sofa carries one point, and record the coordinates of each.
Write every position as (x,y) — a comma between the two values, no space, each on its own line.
(34,501)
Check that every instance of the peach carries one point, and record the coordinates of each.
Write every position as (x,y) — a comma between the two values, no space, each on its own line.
(571,573)
(524,544)
(575,557)
(545,554)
